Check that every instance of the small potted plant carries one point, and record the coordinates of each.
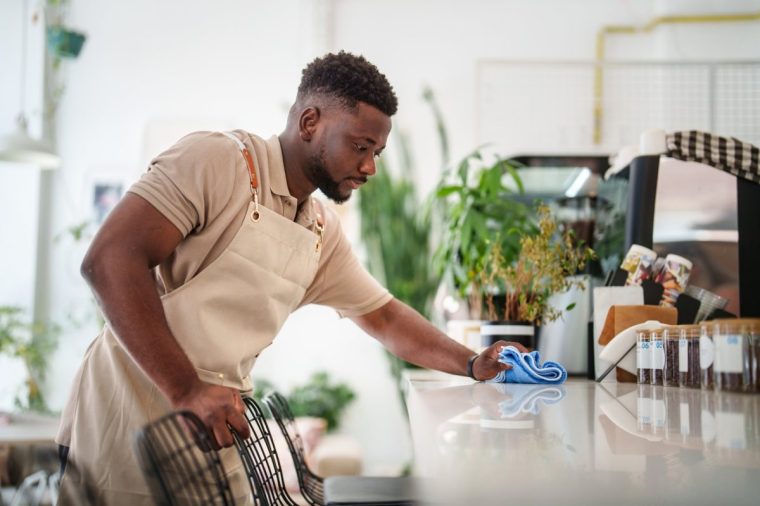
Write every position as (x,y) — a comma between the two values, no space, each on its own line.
(477,210)
(546,262)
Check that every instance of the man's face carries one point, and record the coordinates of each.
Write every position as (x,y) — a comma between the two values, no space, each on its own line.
(350,141)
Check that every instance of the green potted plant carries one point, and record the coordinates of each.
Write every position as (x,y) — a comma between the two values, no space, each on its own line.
(547,260)
(320,397)
(476,209)
(32,343)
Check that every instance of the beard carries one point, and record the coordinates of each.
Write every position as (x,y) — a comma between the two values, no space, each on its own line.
(316,172)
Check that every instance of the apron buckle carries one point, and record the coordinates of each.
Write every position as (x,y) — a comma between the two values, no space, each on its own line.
(255,215)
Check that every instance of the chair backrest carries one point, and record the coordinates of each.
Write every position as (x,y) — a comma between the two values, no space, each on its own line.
(262,464)
(180,463)
(311,485)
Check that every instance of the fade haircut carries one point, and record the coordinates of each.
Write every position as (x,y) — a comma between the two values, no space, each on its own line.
(349,79)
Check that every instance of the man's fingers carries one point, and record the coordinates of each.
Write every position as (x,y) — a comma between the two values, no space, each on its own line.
(520,347)
(222,435)
(238,422)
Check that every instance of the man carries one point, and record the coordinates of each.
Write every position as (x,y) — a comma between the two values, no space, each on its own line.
(201,262)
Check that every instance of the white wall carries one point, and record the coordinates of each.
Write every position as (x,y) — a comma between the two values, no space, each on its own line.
(439,42)
(151,70)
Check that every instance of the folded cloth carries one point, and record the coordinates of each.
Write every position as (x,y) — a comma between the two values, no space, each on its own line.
(527,368)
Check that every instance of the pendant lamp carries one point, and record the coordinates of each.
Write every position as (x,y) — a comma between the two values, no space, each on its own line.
(18,146)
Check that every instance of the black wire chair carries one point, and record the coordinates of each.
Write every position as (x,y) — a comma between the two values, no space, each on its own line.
(180,464)
(312,485)
(260,459)
(337,490)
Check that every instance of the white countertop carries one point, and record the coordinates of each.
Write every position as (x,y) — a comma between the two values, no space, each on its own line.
(582,443)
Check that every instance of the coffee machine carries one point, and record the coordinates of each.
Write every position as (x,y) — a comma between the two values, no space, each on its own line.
(698,195)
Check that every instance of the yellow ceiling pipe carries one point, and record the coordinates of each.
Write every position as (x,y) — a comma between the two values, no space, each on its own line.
(648,27)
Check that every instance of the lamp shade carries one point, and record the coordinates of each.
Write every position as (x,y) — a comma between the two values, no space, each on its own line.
(21,148)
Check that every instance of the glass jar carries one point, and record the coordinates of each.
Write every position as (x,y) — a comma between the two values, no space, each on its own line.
(706,355)
(731,370)
(657,345)
(643,357)
(671,336)
(688,356)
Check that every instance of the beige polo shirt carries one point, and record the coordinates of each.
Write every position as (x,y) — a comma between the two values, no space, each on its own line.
(201,185)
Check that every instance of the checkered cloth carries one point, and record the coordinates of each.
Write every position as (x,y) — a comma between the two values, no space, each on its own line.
(725,153)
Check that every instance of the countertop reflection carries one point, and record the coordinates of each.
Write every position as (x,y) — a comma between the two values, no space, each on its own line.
(583,443)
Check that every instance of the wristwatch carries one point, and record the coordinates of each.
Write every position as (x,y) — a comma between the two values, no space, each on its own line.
(470,363)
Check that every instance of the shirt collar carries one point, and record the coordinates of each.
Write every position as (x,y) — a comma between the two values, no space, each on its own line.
(279,183)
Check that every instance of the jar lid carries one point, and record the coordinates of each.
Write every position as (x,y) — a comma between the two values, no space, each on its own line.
(689,330)
(751,324)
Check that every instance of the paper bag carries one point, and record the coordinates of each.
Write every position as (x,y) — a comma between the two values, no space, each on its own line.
(620,318)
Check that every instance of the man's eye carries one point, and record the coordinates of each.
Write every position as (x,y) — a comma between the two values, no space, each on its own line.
(377,155)
(360,148)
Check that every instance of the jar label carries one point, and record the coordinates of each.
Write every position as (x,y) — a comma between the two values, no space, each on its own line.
(728,353)
(658,355)
(683,357)
(706,352)
(643,356)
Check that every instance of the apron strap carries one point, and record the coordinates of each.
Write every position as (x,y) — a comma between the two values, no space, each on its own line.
(254,181)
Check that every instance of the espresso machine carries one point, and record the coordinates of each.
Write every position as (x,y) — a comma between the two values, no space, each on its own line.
(697,195)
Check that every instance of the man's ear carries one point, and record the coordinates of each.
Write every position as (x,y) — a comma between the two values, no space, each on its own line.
(307,122)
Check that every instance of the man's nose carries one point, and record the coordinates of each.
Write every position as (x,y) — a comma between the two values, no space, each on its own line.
(368,166)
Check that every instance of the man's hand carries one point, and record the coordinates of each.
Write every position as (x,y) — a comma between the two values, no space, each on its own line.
(487,365)
(216,406)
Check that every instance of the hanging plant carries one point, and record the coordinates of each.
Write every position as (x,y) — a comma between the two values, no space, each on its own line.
(63,42)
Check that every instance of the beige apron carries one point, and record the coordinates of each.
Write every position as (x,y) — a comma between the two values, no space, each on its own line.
(223,318)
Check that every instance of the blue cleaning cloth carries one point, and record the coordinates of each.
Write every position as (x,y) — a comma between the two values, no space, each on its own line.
(527,368)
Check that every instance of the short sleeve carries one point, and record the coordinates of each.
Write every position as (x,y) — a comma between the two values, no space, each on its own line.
(191,182)
(341,281)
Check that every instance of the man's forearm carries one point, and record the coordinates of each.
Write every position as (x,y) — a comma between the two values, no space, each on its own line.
(409,336)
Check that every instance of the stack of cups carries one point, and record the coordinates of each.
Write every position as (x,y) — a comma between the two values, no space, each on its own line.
(708,302)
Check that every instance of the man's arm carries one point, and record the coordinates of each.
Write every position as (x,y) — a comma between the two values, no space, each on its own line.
(411,337)
(118,267)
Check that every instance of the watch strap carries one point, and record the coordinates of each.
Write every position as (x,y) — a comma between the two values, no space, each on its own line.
(470,363)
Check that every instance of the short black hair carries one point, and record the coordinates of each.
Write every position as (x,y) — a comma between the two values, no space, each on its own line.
(350,79)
